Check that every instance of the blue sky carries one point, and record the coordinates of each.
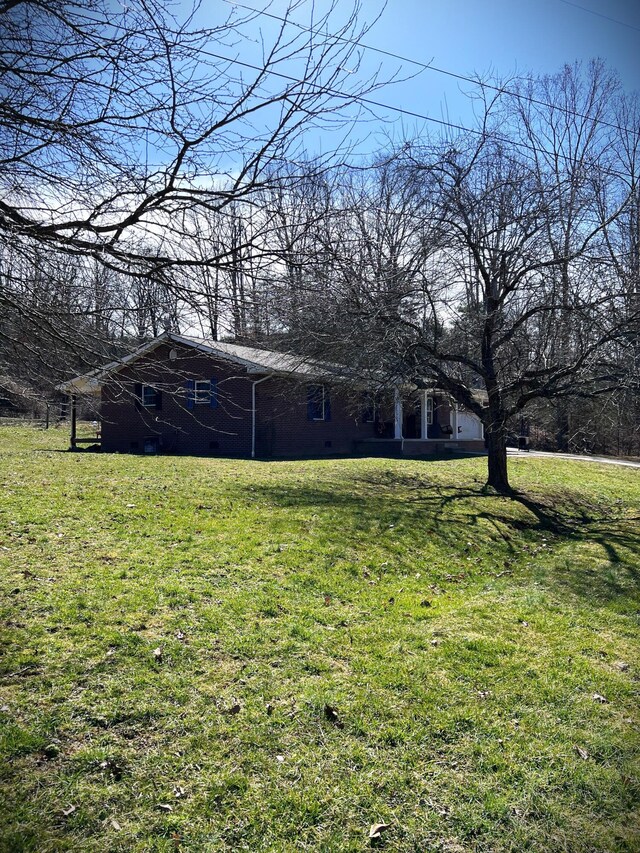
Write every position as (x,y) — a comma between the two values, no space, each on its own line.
(500,37)
(506,37)
(513,35)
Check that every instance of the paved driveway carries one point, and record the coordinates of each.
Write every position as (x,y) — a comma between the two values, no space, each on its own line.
(608,460)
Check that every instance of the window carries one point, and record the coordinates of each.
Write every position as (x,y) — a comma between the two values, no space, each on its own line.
(149,396)
(429,410)
(202,391)
(318,406)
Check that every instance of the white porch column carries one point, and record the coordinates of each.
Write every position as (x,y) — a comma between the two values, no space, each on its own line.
(397,415)
(424,424)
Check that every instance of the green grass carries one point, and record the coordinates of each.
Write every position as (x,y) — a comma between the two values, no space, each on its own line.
(460,638)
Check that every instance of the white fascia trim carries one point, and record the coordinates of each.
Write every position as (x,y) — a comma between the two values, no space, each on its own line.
(95,379)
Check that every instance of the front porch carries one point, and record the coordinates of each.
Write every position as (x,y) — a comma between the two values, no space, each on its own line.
(425,416)
(424,423)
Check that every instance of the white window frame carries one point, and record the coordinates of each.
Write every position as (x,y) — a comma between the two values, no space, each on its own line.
(202,392)
(429,410)
(149,396)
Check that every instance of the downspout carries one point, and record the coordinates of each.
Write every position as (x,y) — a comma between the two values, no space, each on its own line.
(253,412)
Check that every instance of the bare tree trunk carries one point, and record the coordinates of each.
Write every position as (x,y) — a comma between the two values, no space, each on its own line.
(496,438)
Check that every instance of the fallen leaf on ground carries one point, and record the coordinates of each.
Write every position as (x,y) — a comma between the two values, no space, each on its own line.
(157,653)
(179,792)
(582,752)
(377,829)
(598,697)
(621,665)
(165,807)
(115,824)
(68,811)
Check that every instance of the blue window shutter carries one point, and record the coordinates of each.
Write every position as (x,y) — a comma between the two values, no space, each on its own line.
(213,394)
(158,399)
(327,404)
(311,393)
(137,390)
(190,393)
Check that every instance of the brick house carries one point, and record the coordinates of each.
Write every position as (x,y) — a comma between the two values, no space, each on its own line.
(178,394)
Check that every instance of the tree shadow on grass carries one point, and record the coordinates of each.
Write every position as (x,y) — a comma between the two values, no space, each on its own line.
(604,562)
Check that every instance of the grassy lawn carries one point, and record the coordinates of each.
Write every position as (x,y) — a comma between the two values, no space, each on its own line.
(215,655)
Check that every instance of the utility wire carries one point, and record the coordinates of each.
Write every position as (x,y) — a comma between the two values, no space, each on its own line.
(600,15)
(429,67)
(530,147)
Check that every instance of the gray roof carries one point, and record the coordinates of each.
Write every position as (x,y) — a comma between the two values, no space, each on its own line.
(255,360)
(262,360)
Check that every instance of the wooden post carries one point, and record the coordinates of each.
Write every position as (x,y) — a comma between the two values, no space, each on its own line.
(74,416)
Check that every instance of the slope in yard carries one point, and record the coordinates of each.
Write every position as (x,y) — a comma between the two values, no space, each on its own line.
(216,655)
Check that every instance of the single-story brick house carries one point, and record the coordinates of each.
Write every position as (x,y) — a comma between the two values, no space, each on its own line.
(178,394)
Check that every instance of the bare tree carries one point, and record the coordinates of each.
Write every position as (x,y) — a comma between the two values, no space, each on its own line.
(117,121)
(564,122)
(501,281)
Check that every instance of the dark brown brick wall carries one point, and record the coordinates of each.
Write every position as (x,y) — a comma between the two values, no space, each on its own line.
(282,428)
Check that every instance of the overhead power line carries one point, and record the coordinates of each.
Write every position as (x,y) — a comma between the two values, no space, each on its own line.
(425,66)
(361,99)
(600,15)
